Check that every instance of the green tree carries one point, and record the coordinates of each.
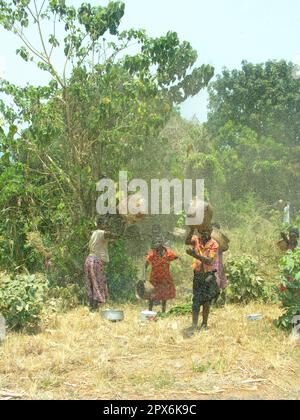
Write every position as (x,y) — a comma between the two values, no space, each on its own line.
(252,165)
(264,97)
(254,123)
(101,112)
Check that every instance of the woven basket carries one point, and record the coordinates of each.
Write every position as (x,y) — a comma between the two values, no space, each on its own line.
(208,213)
(222,240)
(144,290)
(139,203)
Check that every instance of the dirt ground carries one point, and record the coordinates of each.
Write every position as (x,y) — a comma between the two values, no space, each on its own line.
(78,355)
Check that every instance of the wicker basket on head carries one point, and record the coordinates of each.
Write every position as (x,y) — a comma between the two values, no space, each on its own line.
(195,206)
(139,203)
(222,240)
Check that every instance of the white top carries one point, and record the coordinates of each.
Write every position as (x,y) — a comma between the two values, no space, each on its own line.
(286,214)
(99,245)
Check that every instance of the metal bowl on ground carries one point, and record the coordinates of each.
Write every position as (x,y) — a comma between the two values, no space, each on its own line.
(113,315)
(254,317)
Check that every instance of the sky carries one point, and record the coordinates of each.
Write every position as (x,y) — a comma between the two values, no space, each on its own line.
(224,32)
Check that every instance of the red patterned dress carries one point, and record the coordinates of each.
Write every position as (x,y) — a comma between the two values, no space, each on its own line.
(161,278)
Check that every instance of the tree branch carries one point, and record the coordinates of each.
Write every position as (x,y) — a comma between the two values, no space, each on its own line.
(37,21)
(54,33)
(29,45)
(41,7)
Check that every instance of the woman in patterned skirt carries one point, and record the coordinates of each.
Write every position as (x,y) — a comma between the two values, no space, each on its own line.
(95,278)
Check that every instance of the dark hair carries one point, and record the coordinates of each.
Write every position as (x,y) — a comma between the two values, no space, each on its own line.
(101,222)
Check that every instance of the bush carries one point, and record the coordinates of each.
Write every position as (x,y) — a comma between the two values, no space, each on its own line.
(62,299)
(289,289)
(244,283)
(22,300)
(121,273)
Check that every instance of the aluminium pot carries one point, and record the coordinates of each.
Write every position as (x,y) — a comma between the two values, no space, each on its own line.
(113,315)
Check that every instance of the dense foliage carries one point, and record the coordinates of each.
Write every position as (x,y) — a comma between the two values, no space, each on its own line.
(254,121)
(22,300)
(100,113)
(244,283)
(289,289)
(121,273)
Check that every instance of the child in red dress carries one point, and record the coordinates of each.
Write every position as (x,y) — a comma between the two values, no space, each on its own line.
(160,257)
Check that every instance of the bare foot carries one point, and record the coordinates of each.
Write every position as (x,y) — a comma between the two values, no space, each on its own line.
(189,332)
(203,327)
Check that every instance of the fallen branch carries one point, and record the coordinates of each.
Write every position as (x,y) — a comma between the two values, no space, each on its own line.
(217,391)
(254,381)
(194,391)
(130,356)
(72,385)
(9,394)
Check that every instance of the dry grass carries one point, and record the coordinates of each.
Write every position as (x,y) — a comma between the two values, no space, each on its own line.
(80,356)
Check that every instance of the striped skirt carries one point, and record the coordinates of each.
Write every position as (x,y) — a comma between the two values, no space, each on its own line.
(95,279)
